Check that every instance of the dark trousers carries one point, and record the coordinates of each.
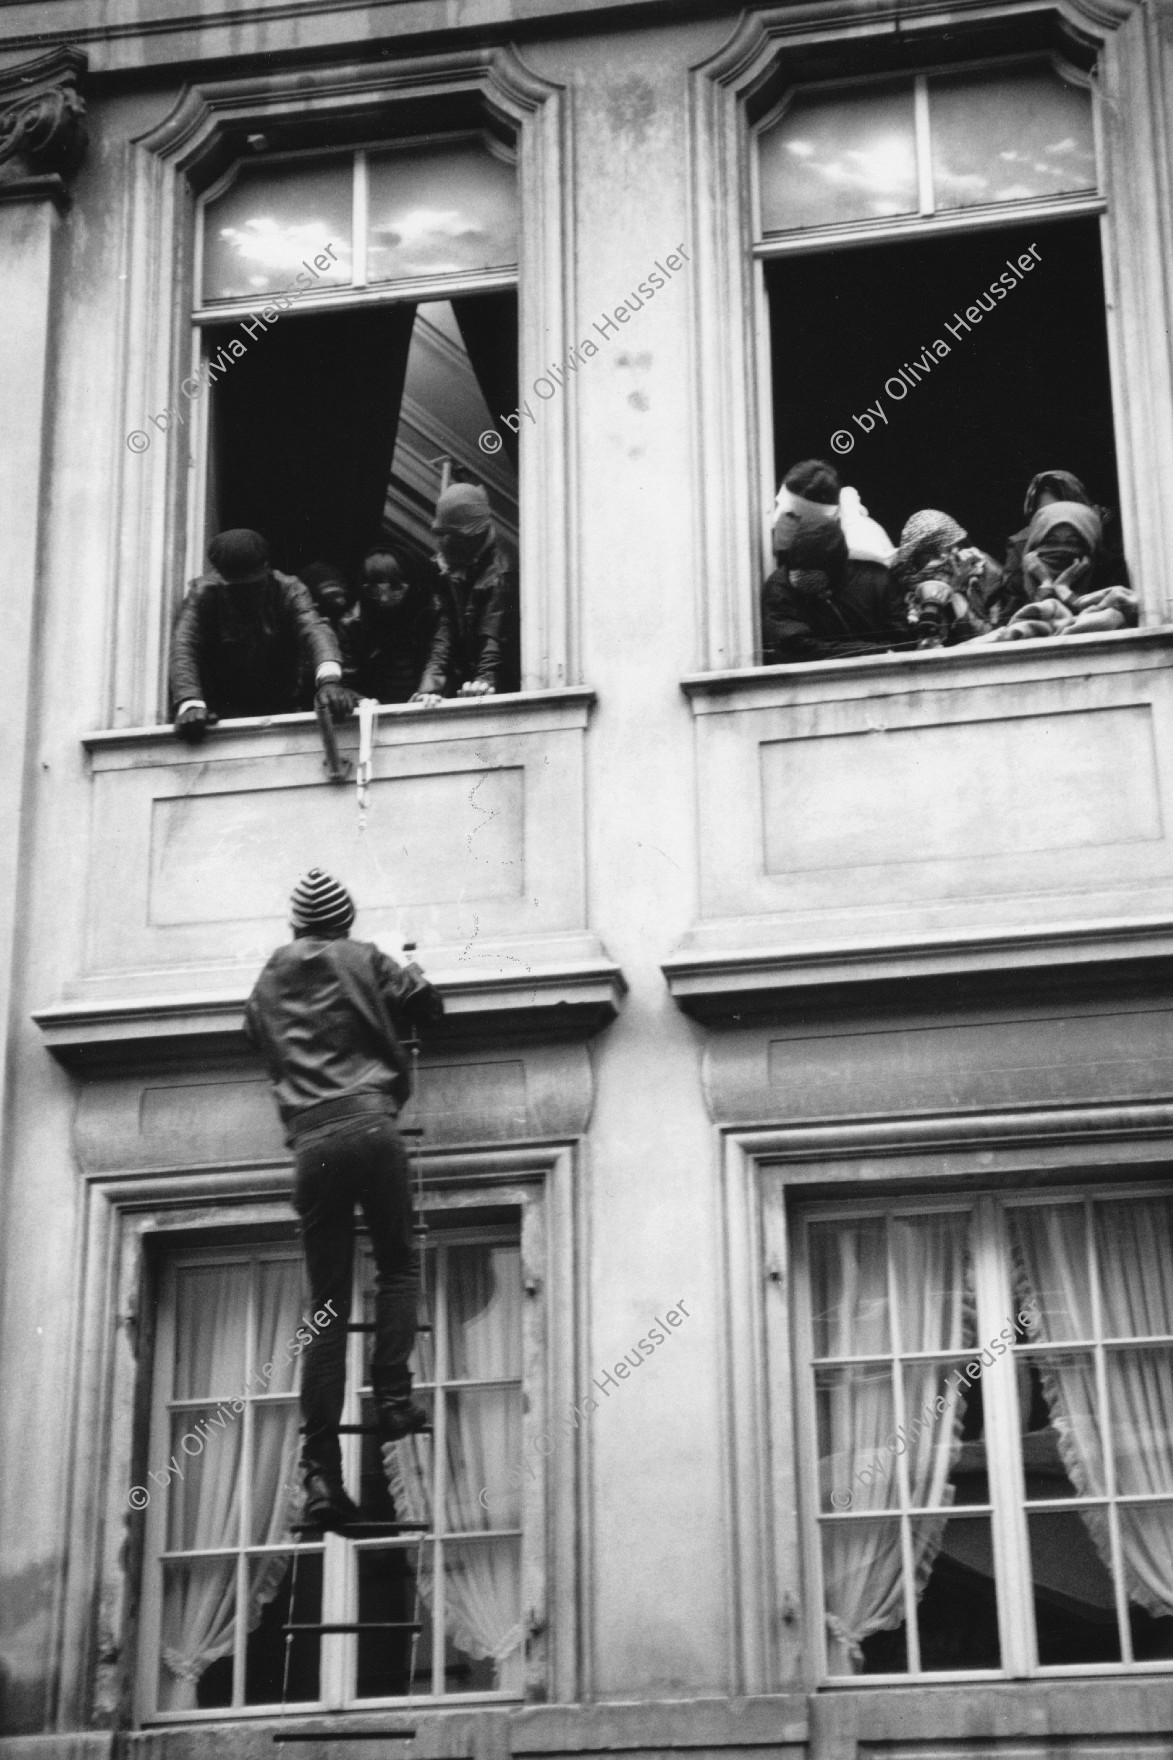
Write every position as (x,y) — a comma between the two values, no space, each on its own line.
(360,1161)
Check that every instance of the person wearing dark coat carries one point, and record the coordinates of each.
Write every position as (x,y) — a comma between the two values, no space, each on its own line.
(815,608)
(244,640)
(328,1015)
(476,646)
(387,637)
(1109,568)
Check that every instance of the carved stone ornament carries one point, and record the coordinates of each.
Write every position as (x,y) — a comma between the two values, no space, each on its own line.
(42,124)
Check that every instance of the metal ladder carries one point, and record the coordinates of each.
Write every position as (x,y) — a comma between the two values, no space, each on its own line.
(370,1530)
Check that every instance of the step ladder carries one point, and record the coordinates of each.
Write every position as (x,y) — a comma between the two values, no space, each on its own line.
(373,1529)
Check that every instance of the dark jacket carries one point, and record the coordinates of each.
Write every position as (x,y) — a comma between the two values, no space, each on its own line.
(326,1015)
(249,650)
(477,633)
(863,616)
(384,652)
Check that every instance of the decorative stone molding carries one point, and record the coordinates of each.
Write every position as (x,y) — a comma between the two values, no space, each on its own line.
(42,125)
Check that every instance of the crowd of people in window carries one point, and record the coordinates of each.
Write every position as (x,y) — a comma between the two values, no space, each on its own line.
(841,588)
(250,640)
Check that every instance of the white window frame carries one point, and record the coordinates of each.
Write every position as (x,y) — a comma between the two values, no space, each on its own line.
(339,1602)
(1008,1508)
(732,421)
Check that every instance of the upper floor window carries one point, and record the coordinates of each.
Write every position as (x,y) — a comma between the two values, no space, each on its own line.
(986,1396)
(930,273)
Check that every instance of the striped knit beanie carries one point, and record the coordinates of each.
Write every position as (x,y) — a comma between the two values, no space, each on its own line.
(319,902)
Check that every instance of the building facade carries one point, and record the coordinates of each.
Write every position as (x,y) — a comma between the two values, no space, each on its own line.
(795,1148)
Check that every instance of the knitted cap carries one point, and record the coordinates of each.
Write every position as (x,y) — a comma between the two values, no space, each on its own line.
(463,508)
(319,902)
(239,555)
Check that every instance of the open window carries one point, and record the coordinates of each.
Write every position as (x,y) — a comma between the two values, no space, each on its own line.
(357,322)
(931,260)
(986,1413)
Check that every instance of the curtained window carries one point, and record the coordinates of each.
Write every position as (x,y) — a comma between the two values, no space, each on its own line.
(987,1396)
(226,1572)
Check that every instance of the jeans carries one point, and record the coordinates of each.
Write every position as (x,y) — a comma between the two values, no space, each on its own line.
(361,1160)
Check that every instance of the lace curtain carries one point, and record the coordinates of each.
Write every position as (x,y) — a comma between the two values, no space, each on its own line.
(482,1586)
(204,1508)
(862,1571)
(1134,1247)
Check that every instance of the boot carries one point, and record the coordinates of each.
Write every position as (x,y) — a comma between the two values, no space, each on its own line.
(327,1505)
(399,1417)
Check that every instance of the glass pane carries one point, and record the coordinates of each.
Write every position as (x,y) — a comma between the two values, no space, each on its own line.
(863,1585)
(273,220)
(408,1471)
(483,1475)
(280,1663)
(1051,1265)
(274,1483)
(484,1652)
(484,1312)
(849,156)
(943,1439)
(394,1660)
(855,1418)
(211,1308)
(1062,1447)
(1140,1408)
(1134,1247)
(199,1627)
(1146,1542)
(445,211)
(1075,1609)
(421,1358)
(934,1287)
(1009,137)
(849,1289)
(957,1614)
(203,1489)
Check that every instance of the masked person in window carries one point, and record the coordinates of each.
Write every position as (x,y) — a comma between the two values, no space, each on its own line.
(475,649)
(817,605)
(388,636)
(1048,487)
(246,638)
(952,590)
(1062,564)
(327,1014)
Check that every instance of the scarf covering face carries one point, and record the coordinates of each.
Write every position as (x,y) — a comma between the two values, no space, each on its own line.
(1078,514)
(926,538)
(1070,489)
(788,502)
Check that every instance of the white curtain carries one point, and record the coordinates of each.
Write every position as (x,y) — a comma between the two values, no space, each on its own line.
(1134,1247)
(862,1572)
(204,1507)
(482,1586)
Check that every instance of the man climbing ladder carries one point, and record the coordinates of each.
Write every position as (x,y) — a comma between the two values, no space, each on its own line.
(327,1015)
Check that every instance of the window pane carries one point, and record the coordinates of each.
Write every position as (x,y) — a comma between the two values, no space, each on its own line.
(484,1451)
(203,1507)
(211,1308)
(199,1625)
(1134,1249)
(394,1661)
(839,157)
(930,1260)
(446,211)
(273,1477)
(863,1585)
(1008,137)
(484,1320)
(1140,1406)
(1075,1609)
(1146,1541)
(482,1616)
(270,1585)
(849,1289)
(1050,1243)
(957,1613)
(945,1450)
(1062,1455)
(856,1420)
(274,218)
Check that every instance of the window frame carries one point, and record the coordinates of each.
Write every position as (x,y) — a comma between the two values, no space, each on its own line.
(1008,1506)
(338,1653)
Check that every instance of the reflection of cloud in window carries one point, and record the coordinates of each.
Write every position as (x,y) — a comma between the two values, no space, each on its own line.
(1015,192)
(1065,146)
(886,168)
(419,225)
(966,185)
(273,245)
(801,149)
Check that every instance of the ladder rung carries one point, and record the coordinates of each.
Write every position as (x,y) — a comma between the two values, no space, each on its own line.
(362,1530)
(372,1326)
(411,1130)
(373,1430)
(368,1625)
(346,1735)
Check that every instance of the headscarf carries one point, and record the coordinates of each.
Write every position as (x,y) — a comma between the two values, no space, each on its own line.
(1071,490)
(1085,520)
(926,537)
(867,541)
(463,508)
